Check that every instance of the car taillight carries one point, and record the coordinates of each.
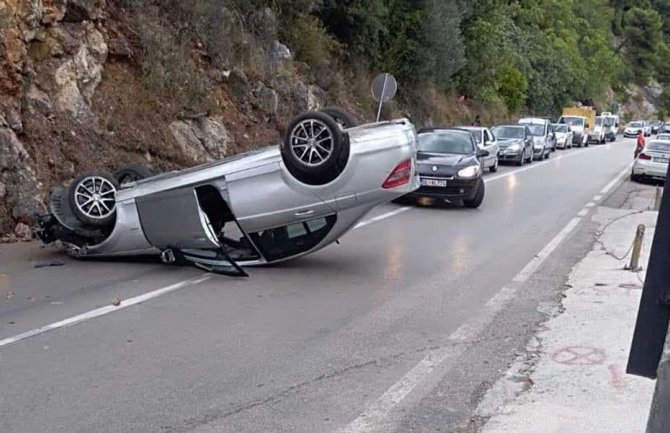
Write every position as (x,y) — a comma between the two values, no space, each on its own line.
(399,176)
(644,156)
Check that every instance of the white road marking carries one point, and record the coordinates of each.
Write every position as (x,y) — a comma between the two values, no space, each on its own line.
(589,205)
(583,212)
(597,197)
(374,418)
(382,217)
(103,310)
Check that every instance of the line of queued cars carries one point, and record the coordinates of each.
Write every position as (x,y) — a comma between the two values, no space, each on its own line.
(652,161)
(451,160)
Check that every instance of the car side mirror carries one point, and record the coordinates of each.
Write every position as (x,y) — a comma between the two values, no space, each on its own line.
(482,153)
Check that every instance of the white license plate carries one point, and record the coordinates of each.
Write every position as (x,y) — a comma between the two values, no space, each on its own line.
(661,160)
(434,182)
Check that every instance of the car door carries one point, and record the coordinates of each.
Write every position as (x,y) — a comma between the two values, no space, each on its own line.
(527,143)
(491,146)
(268,196)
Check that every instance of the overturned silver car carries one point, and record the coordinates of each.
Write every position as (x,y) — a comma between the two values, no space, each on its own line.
(260,207)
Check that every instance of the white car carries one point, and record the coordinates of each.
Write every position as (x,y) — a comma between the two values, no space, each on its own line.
(633,128)
(663,136)
(652,162)
(563,136)
(485,141)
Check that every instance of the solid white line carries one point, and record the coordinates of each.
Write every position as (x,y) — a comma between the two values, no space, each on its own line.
(373,419)
(616,180)
(103,310)
(540,257)
(382,217)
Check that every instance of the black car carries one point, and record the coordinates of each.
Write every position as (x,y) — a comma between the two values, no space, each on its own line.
(449,167)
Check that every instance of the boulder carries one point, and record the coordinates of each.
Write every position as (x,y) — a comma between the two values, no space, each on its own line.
(23,232)
(36,101)
(201,140)
(77,78)
(266,99)
(280,52)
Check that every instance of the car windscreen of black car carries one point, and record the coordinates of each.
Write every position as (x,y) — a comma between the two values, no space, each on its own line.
(446,142)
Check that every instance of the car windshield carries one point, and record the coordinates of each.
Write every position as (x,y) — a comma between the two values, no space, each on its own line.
(573,121)
(536,130)
(506,132)
(636,124)
(609,121)
(659,146)
(561,128)
(446,142)
(599,121)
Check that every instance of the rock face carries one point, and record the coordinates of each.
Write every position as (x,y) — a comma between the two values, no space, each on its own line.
(202,140)
(20,189)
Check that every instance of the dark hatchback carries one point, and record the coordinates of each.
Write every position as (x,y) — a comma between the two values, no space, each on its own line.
(449,167)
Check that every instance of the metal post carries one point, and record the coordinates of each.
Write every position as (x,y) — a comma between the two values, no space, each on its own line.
(657,198)
(637,249)
(381,100)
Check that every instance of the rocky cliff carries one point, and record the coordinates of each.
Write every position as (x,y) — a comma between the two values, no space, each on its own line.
(74,96)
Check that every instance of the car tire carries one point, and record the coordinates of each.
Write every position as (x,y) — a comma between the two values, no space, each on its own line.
(478,198)
(521,160)
(494,167)
(548,155)
(542,156)
(343,118)
(302,132)
(132,173)
(92,198)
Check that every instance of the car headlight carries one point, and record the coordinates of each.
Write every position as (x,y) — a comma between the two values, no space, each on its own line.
(514,148)
(469,172)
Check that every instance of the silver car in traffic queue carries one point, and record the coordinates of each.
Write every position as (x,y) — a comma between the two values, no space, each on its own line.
(544,138)
(515,143)
(563,136)
(652,162)
(485,140)
(264,206)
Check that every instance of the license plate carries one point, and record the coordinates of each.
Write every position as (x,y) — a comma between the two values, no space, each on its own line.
(661,160)
(434,182)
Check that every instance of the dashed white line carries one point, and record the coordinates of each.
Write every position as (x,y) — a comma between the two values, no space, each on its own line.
(589,205)
(597,197)
(103,310)
(582,213)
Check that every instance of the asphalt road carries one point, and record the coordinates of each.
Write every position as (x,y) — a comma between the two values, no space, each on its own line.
(402,327)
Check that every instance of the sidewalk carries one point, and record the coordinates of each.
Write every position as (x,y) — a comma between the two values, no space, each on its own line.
(572,378)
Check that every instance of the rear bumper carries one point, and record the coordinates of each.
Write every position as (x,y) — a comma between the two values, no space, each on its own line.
(509,156)
(650,169)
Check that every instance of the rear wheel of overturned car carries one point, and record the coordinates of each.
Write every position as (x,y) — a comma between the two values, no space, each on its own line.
(477,199)
(315,150)
(132,173)
(92,198)
(342,118)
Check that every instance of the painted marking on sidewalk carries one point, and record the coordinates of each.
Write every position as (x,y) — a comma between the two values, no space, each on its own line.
(102,311)
(375,417)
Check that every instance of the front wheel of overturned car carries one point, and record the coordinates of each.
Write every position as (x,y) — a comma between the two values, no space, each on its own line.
(477,200)
(315,150)
(92,197)
(132,173)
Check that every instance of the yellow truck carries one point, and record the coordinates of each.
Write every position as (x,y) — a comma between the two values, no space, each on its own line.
(580,120)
